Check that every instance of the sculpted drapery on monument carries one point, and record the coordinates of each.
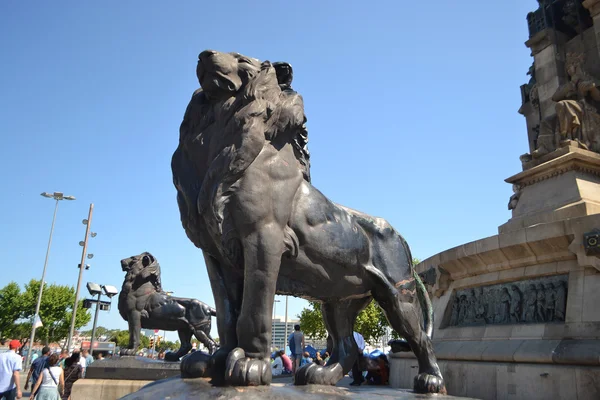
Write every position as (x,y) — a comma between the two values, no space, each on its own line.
(577,115)
(242,176)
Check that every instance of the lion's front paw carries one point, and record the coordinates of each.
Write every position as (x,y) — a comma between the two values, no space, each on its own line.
(128,352)
(245,371)
(427,383)
(318,375)
(195,365)
(170,356)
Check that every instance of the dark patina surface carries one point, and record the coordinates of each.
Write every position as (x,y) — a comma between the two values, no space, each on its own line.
(243,187)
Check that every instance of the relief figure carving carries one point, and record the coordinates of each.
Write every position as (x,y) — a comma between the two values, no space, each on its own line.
(538,300)
(530,300)
(515,304)
(540,306)
(560,301)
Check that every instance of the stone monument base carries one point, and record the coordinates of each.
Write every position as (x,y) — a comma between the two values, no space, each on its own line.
(105,389)
(498,380)
(116,377)
(200,388)
(132,368)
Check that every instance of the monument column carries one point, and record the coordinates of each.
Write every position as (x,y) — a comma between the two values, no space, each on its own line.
(594,8)
(547,48)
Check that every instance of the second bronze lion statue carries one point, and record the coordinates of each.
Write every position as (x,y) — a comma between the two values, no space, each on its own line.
(143,304)
(245,199)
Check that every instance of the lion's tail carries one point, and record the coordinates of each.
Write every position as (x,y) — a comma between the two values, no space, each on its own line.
(422,295)
(426,305)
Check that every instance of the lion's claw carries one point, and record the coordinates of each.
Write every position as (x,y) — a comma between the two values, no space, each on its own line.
(195,365)
(245,371)
(318,375)
(128,352)
(427,383)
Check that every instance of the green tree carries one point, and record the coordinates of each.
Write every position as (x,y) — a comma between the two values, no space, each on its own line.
(165,345)
(56,310)
(371,322)
(10,309)
(121,338)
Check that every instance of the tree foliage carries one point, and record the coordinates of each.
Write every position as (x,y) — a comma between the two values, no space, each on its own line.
(121,338)
(55,311)
(10,309)
(371,322)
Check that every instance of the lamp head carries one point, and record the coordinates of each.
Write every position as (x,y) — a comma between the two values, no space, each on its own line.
(94,288)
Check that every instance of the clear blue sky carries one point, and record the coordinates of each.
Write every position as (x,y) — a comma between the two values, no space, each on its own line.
(412,116)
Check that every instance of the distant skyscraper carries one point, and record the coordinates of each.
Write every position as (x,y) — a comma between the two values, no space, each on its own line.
(278,340)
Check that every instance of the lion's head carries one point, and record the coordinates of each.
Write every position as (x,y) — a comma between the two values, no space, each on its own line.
(142,265)
(221,75)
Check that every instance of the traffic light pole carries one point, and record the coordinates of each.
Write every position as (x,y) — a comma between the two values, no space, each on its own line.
(94,327)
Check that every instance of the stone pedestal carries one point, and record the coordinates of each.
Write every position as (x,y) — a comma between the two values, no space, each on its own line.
(484,352)
(180,389)
(564,184)
(113,378)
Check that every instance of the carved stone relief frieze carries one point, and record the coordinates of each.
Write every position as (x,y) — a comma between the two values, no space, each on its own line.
(539,300)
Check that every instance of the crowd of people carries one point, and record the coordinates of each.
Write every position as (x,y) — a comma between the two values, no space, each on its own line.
(50,377)
(376,368)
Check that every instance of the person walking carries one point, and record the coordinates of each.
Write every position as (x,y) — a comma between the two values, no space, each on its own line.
(37,366)
(73,372)
(51,382)
(88,358)
(10,367)
(297,346)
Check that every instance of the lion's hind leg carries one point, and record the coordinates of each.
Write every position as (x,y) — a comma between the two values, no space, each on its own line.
(339,319)
(404,315)
(185,338)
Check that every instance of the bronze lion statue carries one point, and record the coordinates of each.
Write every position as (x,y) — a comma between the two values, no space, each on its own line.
(144,304)
(242,180)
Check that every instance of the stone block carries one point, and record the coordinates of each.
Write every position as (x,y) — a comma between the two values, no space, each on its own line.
(510,275)
(528,331)
(447,349)
(498,332)
(540,270)
(132,368)
(546,231)
(501,350)
(471,350)
(591,296)
(587,382)
(575,296)
(577,352)
(536,351)
(105,389)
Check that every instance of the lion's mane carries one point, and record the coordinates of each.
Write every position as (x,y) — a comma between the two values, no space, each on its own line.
(225,136)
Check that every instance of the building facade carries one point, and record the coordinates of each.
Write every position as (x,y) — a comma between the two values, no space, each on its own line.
(278,338)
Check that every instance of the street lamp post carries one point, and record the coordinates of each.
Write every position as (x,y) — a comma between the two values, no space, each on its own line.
(56,196)
(94,290)
(88,223)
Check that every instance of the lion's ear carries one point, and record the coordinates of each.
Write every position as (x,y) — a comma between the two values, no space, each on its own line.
(284,71)
(146,261)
